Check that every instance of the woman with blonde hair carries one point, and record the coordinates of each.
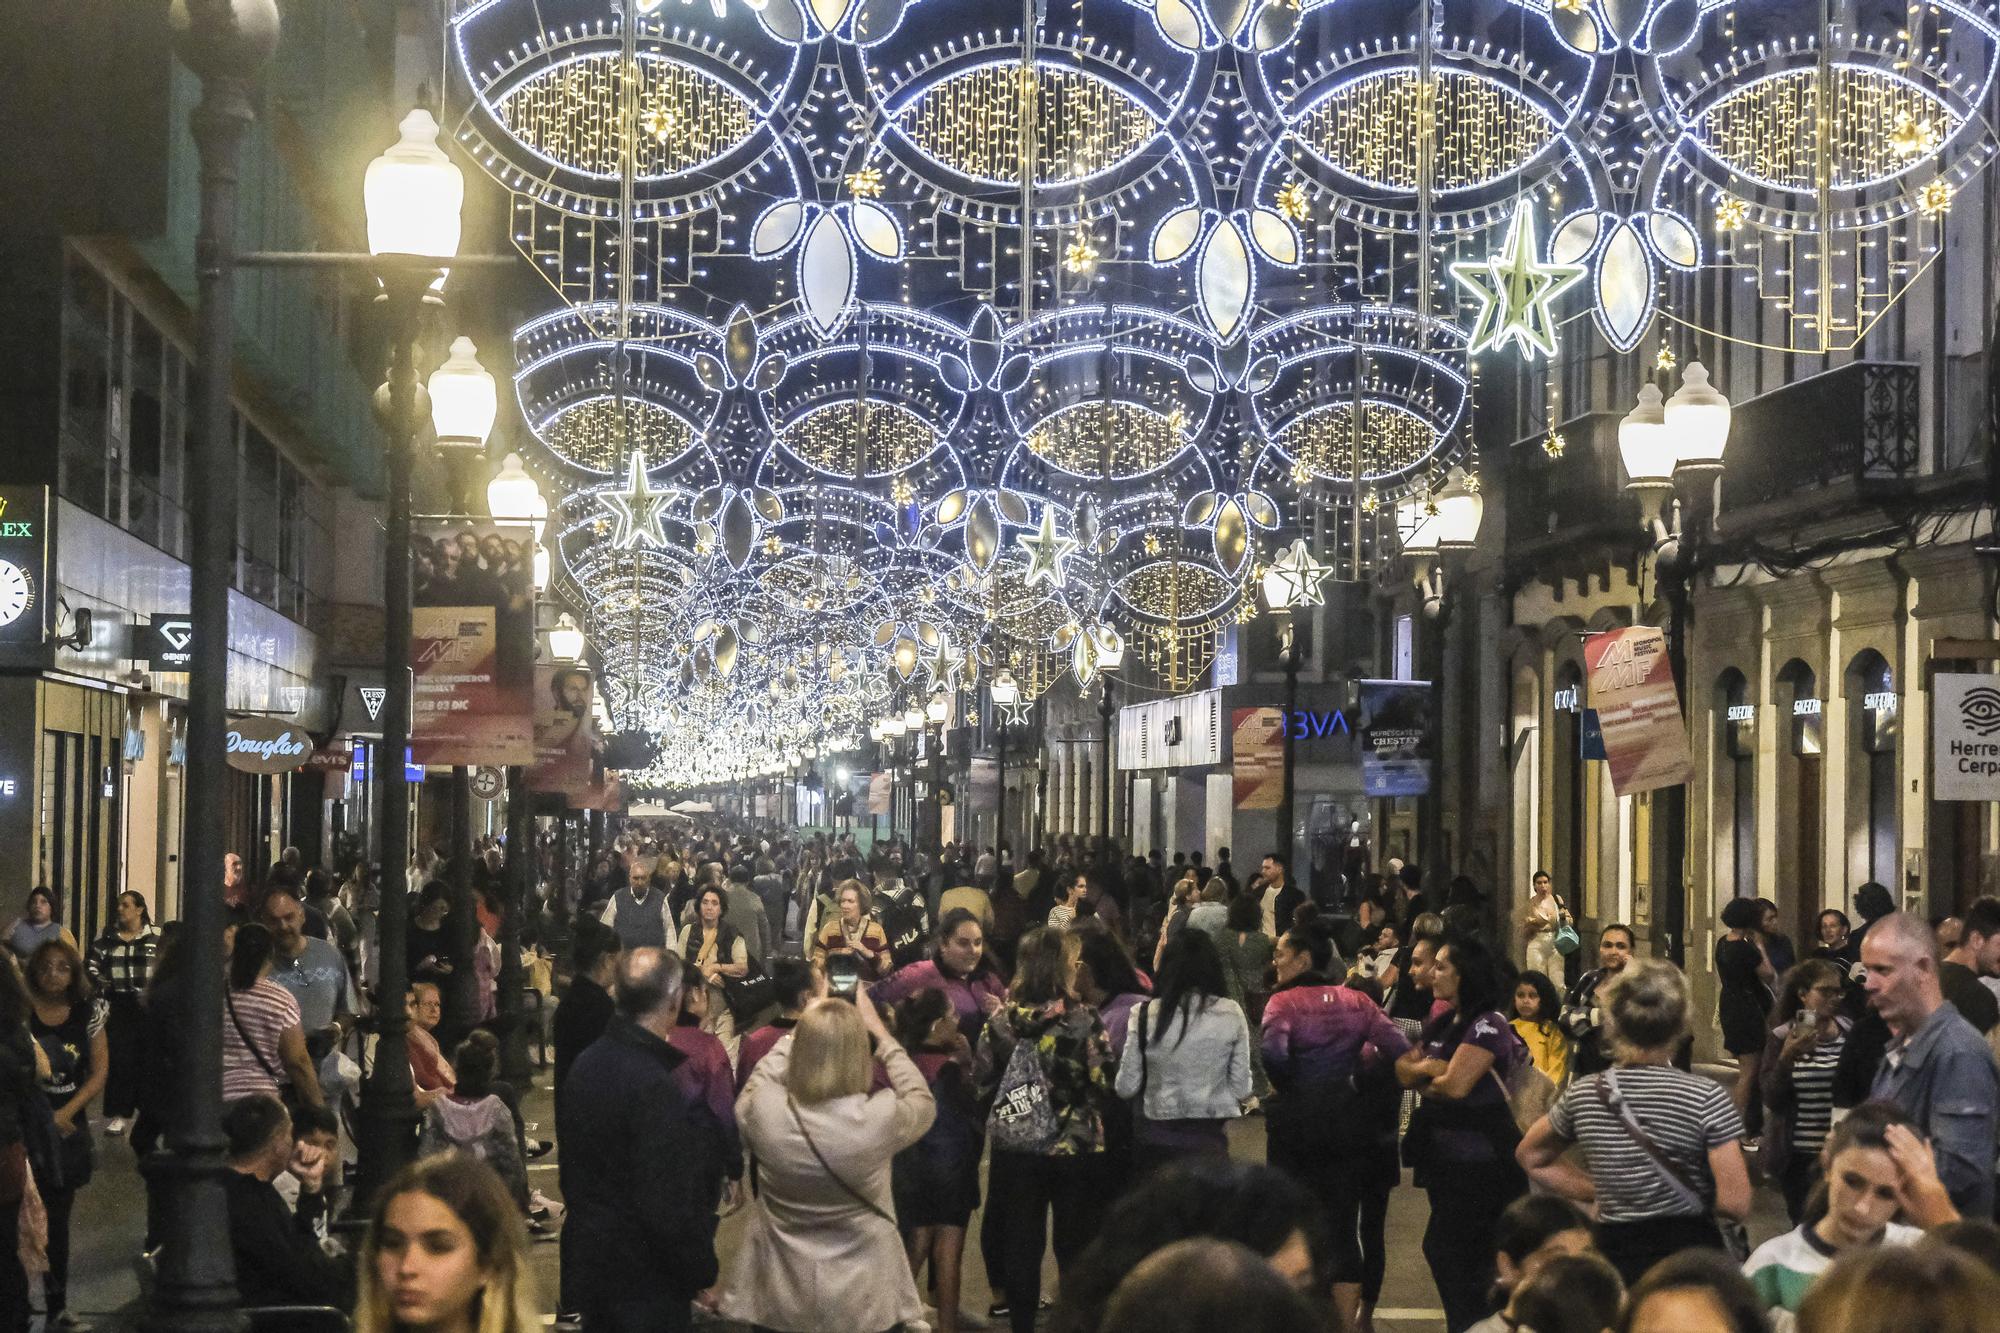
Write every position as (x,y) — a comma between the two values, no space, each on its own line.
(823,1250)
(445,1253)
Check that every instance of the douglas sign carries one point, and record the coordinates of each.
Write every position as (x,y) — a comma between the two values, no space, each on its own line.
(265,745)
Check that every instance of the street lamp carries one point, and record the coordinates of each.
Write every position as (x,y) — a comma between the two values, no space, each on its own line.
(1005,692)
(1437,531)
(1283,591)
(566,640)
(226,42)
(464,402)
(412,194)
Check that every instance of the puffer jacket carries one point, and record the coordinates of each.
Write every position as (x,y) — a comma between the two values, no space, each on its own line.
(1197,1072)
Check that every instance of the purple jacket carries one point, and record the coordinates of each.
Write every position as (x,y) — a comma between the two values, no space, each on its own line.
(965,993)
(1313,1034)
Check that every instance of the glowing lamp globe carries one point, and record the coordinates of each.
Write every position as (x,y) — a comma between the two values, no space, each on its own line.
(565,640)
(413,194)
(513,497)
(464,401)
(1645,444)
(1418,527)
(1460,508)
(938,709)
(913,719)
(1006,690)
(1698,420)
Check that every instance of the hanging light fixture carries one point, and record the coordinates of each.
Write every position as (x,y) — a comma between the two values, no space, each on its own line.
(1417,522)
(894,726)
(1006,690)
(938,709)
(513,497)
(413,193)
(1645,444)
(464,402)
(913,719)
(1460,508)
(542,570)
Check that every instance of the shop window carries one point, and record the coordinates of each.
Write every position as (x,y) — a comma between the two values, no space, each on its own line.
(1874,708)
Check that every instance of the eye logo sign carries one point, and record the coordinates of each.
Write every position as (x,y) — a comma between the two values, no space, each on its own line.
(1979,710)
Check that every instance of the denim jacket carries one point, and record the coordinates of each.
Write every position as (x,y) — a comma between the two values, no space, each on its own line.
(1200,1072)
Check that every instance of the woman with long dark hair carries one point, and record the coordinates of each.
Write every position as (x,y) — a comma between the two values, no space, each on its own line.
(1462,1138)
(22,1062)
(68,1024)
(263,1044)
(1800,1059)
(1317,1036)
(1185,1066)
(121,963)
(960,966)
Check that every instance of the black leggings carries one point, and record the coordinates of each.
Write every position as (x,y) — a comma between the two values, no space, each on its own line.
(1466,1203)
(123,1024)
(1634,1247)
(1330,1173)
(55,1283)
(1070,1188)
(1374,1238)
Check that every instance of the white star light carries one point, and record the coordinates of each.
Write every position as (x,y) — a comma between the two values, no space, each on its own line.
(1302,574)
(1046,551)
(941,667)
(637,508)
(1514,290)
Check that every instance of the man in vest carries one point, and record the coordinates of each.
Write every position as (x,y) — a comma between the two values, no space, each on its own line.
(639,914)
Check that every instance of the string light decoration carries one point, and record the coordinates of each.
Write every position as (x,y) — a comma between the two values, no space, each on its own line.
(1393,441)
(570,114)
(1075,125)
(1477,130)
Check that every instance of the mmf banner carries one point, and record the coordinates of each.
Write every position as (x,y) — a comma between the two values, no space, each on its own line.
(1965,737)
(472,650)
(1632,690)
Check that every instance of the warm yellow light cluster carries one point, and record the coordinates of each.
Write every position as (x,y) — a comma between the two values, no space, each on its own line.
(973,123)
(588,434)
(1392,441)
(1769,130)
(1373,129)
(830,437)
(571,114)
(1138,439)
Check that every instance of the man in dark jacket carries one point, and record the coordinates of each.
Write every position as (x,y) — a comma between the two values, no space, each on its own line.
(278,1257)
(641,1166)
(586,1007)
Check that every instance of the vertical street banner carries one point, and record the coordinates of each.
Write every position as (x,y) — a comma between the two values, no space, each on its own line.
(1965,736)
(472,650)
(1395,735)
(878,793)
(565,731)
(1631,687)
(1257,749)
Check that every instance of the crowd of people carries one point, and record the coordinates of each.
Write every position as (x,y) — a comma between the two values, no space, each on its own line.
(875,1055)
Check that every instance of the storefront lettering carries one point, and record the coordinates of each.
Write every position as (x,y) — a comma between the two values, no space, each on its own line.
(1741,713)
(1976,758)
(1302,725)
(1805,707)
(285,746)
(13,529)
(1882,701)
(1566,700)
(8,787)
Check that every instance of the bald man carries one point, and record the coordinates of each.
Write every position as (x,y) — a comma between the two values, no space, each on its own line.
(1937,1066)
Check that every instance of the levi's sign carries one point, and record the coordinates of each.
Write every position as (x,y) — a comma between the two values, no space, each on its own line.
(265,745)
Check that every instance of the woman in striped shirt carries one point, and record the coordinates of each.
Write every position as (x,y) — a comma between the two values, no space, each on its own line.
(1799,1064)
(1663,1147)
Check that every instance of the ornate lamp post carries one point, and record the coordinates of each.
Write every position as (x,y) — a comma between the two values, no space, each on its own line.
(1674,450)
(413,194)
(226,42)
(1005,692)
(1437,532)
(1281,593)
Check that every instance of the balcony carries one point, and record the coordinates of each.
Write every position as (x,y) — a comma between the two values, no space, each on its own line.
(1566,515)
(1853,429)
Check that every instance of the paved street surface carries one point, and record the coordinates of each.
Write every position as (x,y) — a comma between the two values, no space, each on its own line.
(110,1220)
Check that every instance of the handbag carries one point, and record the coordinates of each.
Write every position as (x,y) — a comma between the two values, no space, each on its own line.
(1735,1239)
(1023,1118)
(1564,937)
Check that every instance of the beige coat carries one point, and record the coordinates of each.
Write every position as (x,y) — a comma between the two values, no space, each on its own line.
(814,1260)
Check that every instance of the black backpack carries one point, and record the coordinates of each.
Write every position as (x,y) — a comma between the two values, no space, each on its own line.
(902,920)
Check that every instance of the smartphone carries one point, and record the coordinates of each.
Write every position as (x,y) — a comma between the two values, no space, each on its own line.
(843,975)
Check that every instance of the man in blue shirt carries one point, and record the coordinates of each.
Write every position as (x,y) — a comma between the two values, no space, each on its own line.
(1937,1067)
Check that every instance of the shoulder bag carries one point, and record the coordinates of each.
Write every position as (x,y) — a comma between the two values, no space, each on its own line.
(1735,1239)
(1564,937)
(832,1174)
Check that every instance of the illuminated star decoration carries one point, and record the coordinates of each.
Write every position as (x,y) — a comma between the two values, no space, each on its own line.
(941,667)
(636,509)
(1515,291)
(1046,551)
(1293,202)
(1730,213)
(1303,574)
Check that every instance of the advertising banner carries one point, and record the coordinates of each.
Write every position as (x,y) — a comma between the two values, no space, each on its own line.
(878,794)
(1965,737)
(473,647)
(1257,746)
(983,784)
(1395,737)
(565,731)
(1631,687)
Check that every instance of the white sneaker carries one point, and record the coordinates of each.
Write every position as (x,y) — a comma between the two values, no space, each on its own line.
(115,1125)
(537,1199)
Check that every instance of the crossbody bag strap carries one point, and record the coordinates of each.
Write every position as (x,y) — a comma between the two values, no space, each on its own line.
(827,1167)
(229,1003)
(1608,1097)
